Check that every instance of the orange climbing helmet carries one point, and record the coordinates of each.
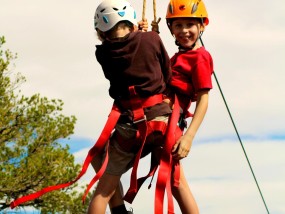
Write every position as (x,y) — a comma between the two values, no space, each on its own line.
(187,8)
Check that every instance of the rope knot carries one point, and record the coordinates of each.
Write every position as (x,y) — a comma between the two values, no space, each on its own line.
(154,25)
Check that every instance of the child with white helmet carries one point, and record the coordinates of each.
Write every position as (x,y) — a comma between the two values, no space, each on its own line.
(192,67)
(138,69)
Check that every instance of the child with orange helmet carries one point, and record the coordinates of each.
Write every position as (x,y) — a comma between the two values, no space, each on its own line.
(192,67)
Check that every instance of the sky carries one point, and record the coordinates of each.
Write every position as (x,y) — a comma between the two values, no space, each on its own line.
(55,42)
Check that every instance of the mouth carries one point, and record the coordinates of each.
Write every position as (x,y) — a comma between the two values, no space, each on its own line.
(186,38)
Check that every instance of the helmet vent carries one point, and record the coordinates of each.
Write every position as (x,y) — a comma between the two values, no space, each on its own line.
(182,7)
(170,8)
(194,8)
(105,19)
(121,13)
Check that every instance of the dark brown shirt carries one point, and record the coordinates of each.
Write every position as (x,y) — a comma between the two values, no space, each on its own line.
(138,60)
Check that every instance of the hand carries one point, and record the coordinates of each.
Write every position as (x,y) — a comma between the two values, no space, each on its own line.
(143,25)
(182,147)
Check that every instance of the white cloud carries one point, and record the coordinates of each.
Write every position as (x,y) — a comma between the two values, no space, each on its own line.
(55,42)
(221,180)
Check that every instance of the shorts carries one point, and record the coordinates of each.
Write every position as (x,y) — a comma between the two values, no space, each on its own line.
(120,160)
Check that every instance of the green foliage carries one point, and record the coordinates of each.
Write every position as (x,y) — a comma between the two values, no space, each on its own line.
(30,156)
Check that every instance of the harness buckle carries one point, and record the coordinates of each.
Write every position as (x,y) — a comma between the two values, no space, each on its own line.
(140,120)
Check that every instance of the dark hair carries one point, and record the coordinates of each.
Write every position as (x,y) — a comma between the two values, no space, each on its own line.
(103,35)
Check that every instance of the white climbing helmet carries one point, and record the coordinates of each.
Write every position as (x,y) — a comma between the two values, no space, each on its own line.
(110,12)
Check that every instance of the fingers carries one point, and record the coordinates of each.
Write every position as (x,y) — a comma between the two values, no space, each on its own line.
(178,152)
(143,25)
(174,148)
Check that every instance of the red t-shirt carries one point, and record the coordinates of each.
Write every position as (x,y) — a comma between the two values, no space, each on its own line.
(191,73)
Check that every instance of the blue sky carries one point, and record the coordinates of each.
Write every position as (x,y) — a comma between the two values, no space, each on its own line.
(55,42)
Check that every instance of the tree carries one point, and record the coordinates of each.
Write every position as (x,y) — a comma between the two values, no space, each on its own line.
(31,156)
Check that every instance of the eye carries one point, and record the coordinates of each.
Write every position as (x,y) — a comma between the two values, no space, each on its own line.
(101,11)
(116,9)
(177,26)
(124,7)
(190,24)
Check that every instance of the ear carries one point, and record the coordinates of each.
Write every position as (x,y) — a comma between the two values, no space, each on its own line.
(134,28)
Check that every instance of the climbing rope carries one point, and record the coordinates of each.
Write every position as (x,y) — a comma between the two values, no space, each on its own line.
(155,21)
(251,169)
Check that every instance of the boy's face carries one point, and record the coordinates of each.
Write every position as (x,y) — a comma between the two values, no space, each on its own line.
(186,31)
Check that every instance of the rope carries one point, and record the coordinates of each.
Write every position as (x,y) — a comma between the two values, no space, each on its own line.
(155,22)
(154,10)
(251,169)
(143,11)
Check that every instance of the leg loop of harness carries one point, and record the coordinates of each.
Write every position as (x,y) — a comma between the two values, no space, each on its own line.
(137,105)
(140,120)
(169,171)
(153,126)
(166,162)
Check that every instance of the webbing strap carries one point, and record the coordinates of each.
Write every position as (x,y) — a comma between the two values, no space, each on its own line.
(139,119)
(152,126)
(99,146)
(164,173)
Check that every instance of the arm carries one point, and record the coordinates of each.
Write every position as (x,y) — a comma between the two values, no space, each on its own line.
(184,143)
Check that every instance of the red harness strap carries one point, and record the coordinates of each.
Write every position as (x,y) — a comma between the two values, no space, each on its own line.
(168,167)
(166,163)
(137,105)
(151,127)
(98,147)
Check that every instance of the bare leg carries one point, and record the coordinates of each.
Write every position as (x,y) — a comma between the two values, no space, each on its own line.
(117,198)
(104,191)
(184,197)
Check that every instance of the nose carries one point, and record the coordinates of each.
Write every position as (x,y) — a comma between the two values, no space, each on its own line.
(184,29)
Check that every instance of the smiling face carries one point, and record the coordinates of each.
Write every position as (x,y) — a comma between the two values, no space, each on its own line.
(186,31)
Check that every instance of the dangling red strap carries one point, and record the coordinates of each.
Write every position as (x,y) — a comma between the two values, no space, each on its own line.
(152,126)
(98,174)
(139,119)
(176,163)
(164,172)
(176,173)
(130,195)
(99,146)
